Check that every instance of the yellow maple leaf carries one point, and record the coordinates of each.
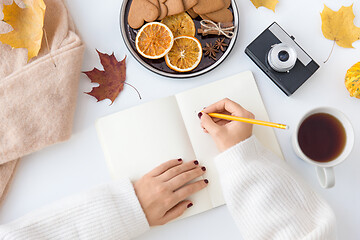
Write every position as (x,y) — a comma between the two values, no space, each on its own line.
(339,26)
(28,25)
(270,4)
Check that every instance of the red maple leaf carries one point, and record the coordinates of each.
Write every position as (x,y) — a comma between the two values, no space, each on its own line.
(111,80)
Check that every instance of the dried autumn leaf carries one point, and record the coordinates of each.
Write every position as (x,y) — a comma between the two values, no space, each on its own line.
(111,80)
(28,25)
(270,4)
(339,26)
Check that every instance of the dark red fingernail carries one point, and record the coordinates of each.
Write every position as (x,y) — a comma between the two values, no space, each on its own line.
(189,205)
(179,159)
(199,114)
(196,162)
(206,181)
(203,168)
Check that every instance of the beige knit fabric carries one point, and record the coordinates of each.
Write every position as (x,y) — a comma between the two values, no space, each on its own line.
(37,98)
(7,171)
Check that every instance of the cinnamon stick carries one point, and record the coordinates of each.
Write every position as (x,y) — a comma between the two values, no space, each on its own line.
(214,32)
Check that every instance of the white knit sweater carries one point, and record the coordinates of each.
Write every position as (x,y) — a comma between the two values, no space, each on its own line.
(265,197)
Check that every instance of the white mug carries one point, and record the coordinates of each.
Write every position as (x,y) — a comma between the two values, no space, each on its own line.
(325,170)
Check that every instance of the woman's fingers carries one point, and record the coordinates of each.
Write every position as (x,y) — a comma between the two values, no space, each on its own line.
(190,189)
(185,177)
(225,105)
(208,123)
(165,166)
(221,122)
(159,199)
(176,211)
(179,169)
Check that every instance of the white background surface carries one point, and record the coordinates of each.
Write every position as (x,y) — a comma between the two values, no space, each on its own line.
(78,164)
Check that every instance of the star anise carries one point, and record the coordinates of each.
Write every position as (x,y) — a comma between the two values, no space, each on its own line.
(210,51)
(220,44)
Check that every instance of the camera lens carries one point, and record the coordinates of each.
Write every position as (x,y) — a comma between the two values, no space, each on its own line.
(283,56)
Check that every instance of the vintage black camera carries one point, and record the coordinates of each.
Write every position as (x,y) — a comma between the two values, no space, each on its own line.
(281,59)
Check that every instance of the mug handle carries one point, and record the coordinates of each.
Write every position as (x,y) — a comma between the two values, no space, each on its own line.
(326,176)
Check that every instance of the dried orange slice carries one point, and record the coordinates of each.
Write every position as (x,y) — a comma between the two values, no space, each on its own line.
(185,55)
(154,40)
(180,24)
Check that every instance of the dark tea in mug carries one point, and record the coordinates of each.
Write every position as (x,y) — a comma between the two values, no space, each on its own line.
(321,137)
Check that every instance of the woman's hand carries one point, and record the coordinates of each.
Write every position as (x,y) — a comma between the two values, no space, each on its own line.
(226,133)
(162,192)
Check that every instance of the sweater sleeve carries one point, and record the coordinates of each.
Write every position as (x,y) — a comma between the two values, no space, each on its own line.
(106,212)
(267,199)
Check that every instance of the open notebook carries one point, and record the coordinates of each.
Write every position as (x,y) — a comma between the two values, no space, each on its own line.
(138,139)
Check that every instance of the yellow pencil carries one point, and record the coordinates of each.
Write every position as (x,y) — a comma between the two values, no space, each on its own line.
(248,120)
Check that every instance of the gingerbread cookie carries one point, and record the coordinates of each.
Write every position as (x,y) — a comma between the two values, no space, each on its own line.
(156,4)
(189,4)
(163,11)
(227,3)
(208,6)
(141,11)
(204,17)
(223,15)
(174,7)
